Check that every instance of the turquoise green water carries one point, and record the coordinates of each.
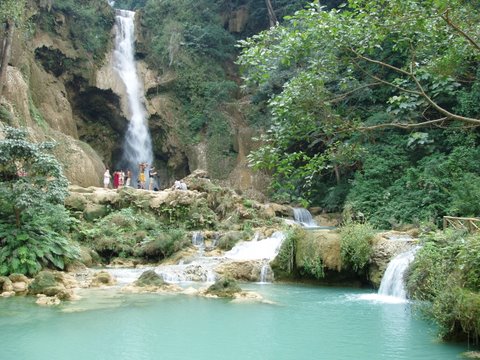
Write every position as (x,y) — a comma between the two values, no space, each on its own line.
(305,323)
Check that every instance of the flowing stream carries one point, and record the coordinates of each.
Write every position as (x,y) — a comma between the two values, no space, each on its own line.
(138,143)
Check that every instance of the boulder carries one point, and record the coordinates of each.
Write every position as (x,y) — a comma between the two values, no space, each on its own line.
(44,300)
(103,278)
(50,283)
(240,270)
(149,278)
(5,284)
(94,211)
(18,278)
(151,282)
(225,287)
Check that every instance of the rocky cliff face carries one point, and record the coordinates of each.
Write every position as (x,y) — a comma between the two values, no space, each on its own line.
(62,90)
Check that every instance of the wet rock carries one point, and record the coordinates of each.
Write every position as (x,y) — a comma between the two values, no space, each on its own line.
(225,287)
(94,211)
(20,287)
(44,300)
(241,270)
(103,278)
(18,278)
(5,284)
(149,278)
(50,283)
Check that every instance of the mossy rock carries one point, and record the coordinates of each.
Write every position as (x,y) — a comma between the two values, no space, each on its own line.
(47,283)
(5,284)
(149,278)
(225,287)
(94,211)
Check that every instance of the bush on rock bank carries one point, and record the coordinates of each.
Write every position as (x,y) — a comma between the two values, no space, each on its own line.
(446,273)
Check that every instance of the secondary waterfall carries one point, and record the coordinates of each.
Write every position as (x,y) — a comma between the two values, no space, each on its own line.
(304,217)
(138,144)
(392,282)
(201,268)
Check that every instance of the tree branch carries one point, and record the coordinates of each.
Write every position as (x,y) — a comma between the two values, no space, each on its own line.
(384,81)
(421,92)
(450,23)
(343,96)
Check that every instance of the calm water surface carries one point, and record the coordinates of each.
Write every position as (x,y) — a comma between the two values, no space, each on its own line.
(304,323)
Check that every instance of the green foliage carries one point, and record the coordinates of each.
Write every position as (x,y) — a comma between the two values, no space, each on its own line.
(356,242)
(446,272)
(127,233)
(90,22)
(12,10)
(228,241)
(39,242)
(30,177)
(313,267)
(284,264)
(335,81)
(163,245)
(395,188)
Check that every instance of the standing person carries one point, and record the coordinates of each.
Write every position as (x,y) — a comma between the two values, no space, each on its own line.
(106,179)
(151,177)
(128,178)
(116,177)
(141,176)
(121,180)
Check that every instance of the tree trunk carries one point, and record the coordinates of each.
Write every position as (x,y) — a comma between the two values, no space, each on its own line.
(6,50)
(271,14)
(336,169)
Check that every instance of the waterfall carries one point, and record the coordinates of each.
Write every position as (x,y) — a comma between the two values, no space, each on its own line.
(137,143)
(303,217)
(257,250)
(392,282)
(266,273)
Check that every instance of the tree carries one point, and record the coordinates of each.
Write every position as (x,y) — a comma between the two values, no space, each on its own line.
(33,220)
(336,78)
(11,12)
(30,178)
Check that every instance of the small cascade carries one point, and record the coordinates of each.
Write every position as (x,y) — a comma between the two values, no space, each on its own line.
(138,143)
(201,268)
(257,250)
(197,239)
(392,282)
(304,217)
(266,274)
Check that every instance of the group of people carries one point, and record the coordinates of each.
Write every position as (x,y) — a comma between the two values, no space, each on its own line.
(121,179)
(152,173)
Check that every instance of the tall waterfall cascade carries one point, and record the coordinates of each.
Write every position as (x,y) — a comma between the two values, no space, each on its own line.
(137,144)
(304,217)
(392,282)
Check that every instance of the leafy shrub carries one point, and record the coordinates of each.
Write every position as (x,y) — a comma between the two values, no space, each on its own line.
(356,242)
(228,241)
(284,264)
(313,266)
(26,250)
(163,245)
(445,272)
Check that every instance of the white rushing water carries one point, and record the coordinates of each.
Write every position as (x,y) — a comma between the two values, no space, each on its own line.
(304,217)
(265,249)
(138,143)
(392,282)
(201,268)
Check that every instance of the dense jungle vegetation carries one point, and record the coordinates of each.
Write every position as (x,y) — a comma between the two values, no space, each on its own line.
(366,107)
